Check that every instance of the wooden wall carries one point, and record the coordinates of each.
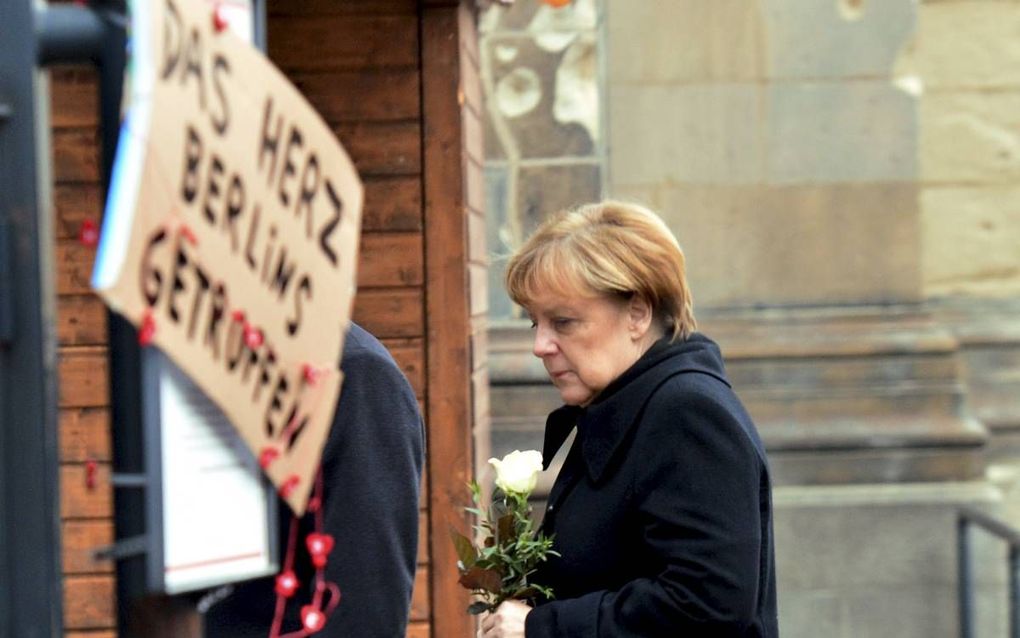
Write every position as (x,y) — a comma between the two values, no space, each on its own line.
(398,84)
(86,502)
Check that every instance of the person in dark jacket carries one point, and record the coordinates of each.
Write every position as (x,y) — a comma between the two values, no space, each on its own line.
(661,513)
(371,468)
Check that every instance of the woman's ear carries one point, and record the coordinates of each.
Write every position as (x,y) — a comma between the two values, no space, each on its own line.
(641,315)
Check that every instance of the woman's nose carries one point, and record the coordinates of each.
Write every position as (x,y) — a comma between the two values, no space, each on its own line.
(543,344)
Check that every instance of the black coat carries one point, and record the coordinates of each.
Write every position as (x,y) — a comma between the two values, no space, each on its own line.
(662,512)
(371,467)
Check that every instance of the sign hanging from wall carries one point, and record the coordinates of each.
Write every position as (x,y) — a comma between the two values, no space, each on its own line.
(231,233)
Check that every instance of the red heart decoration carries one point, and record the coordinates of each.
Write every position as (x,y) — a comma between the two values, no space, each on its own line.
(312,618)
(267,456)
(88,233)
(219,17)
(286,584)
(91,467)
(147,330)
(289,485)
(252,336)
(189,234)
(319,547)
(310,373)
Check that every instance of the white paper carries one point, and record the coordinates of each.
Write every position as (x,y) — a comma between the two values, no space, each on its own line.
(215,504)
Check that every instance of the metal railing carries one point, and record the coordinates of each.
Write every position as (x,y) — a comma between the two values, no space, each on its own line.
(967,517)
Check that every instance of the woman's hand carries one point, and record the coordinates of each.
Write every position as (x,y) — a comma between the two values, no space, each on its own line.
(506,622)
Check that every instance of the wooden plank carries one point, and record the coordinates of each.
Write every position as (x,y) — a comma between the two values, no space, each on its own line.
(479,344)
(477,248)
(475,187)
(370,95)
(410,356)
(74,267)
(425,489)
(74,96)
(423,537)
(90,602)
(418,630)
(391,312)
(474,142)
(77,500)
(83,377)
(80,540)
(102,633)
(478,281)
(330,43)
(81,320)
(73,204)
(450,449)
(420,597)
(85,435)
(480,399)
(75,155)
(392,203)
(320,8)
(383,148)
(468,34)
(391,259)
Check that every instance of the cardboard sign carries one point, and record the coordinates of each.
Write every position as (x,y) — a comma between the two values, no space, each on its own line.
(231,233)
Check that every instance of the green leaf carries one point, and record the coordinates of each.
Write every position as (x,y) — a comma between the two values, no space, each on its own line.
(465,549)
(479,607)
(476,491)
(545,591)
(484,579)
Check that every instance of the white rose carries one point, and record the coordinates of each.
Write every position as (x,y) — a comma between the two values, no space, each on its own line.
(518,471)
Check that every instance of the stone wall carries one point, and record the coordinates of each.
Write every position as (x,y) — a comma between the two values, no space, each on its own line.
(777,142)
(967,58)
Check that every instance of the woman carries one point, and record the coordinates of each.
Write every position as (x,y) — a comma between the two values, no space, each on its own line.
(662,511)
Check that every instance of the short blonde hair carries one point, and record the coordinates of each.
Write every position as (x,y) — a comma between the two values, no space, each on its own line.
(610,248)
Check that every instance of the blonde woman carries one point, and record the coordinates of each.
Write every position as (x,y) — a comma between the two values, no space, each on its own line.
(662,511)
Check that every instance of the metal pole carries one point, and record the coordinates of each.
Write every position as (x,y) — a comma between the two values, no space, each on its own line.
(31,601)
(68,33)
(1014,591)
(966,585)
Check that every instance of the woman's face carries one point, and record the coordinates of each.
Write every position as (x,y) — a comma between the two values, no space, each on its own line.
(586,342)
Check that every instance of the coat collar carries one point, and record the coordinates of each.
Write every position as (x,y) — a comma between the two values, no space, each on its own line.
(606,422)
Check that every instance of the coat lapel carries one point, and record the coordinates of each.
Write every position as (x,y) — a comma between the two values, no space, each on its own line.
(607,423)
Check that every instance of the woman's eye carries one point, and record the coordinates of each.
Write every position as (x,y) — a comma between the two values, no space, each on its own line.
(561,322)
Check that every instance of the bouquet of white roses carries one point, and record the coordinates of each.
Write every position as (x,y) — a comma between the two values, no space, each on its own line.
(510,549)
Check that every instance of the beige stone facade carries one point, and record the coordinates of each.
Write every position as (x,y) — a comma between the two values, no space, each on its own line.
(967,57)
